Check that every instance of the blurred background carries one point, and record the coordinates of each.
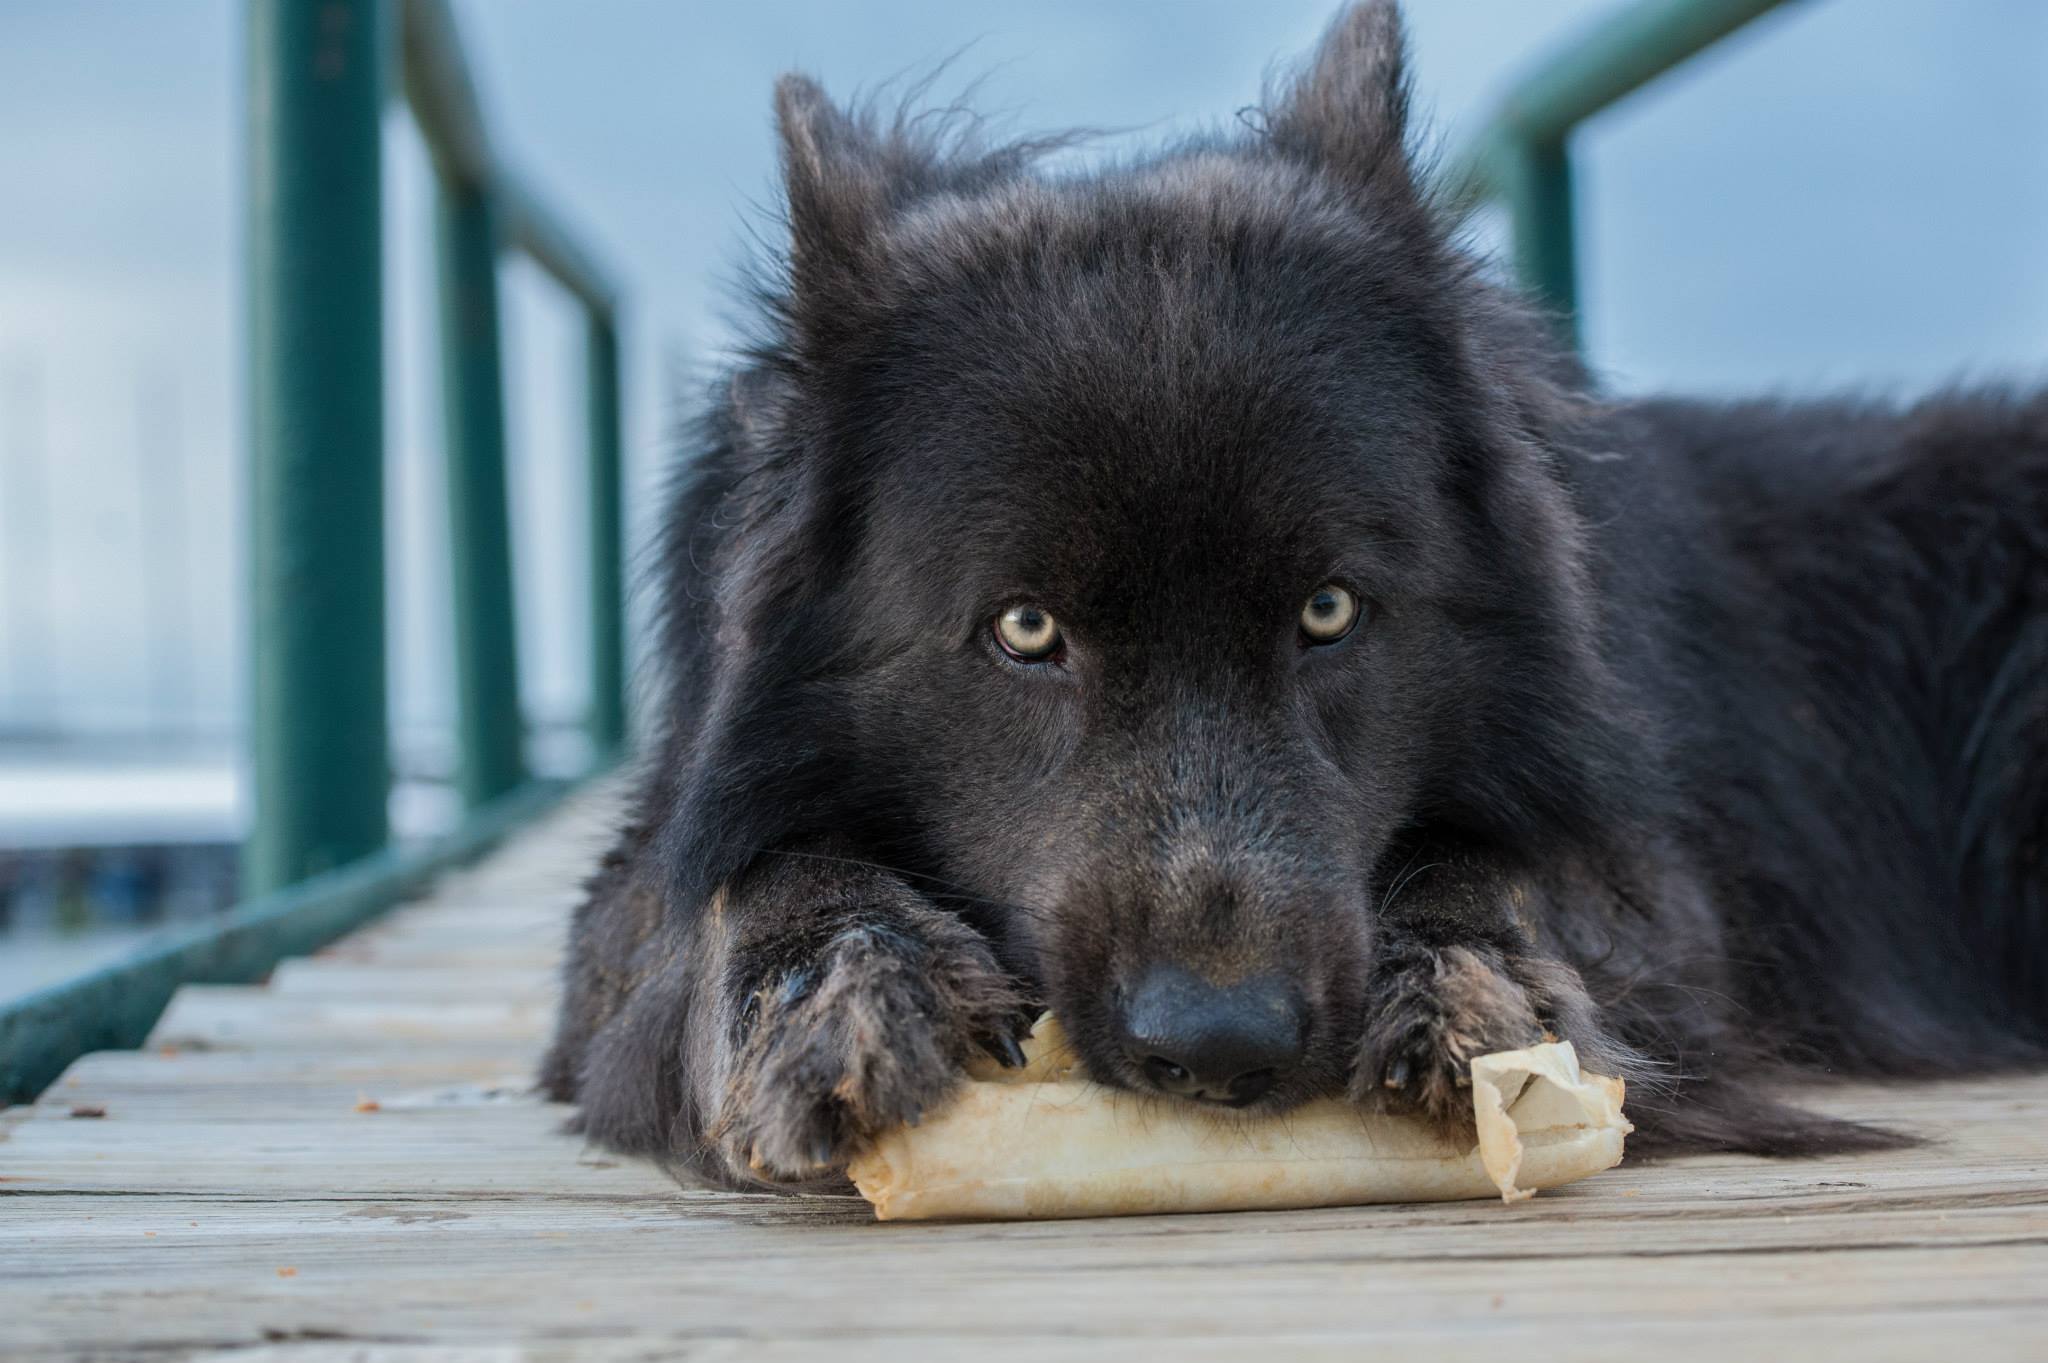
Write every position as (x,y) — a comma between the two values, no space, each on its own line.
(1848,193)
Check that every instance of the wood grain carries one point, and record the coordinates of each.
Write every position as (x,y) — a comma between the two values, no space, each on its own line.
(349,1164)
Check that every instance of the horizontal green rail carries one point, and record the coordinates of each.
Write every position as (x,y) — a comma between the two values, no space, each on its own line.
(438,89)
(318,861)
(1523,156)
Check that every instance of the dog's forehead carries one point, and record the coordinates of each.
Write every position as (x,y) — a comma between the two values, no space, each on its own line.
(1156,391)
(1201,304)
(1215,473)
(1189,381)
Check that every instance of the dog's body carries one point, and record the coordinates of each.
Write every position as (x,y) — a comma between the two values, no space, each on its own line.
(1710,738)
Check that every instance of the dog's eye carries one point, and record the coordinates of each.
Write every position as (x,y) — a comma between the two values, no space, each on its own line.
(1027,634)
(1329,615)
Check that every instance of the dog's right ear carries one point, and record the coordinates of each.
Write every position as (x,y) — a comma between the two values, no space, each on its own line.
(1346,113)
(833,179)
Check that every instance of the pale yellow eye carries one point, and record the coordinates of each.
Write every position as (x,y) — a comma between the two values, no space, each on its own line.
(1028,634)
(1329,615)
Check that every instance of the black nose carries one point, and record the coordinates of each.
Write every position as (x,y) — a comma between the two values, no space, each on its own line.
(1221,1043)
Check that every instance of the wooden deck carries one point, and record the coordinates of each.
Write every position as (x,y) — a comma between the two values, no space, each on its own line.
(347,1164)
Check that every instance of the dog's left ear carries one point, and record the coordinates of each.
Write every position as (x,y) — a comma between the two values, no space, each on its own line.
(1347,112)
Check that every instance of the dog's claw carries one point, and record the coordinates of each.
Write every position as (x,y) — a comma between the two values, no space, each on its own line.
(821,1151)
(1004,1047)
(1398,1073)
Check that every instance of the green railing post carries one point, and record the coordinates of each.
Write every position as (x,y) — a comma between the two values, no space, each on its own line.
(488,720)
(607,540)
(318,732)
(1522,154)
(1538,190)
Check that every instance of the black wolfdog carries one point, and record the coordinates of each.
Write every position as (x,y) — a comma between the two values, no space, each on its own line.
(1192,597)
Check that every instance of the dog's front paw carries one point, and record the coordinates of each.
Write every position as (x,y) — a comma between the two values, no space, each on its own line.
(1429,1011)
(874,1034)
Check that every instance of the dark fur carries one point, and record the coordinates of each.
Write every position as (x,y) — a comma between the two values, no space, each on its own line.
(1709,737)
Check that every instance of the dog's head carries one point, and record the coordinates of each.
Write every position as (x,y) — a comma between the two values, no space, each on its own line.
(1146,561)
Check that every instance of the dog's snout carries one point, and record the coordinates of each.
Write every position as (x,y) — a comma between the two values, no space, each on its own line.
(1227,1044)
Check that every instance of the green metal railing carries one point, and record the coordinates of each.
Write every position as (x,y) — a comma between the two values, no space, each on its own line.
(1523,155)
(318,860)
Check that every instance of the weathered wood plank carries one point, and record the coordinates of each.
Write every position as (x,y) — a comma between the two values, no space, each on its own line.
(1895,1337)
(636,1281)
(76,1237)
(241,1016)
(307,1086)
(313,979)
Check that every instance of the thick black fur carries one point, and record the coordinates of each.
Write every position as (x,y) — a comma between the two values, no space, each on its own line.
(1711,737)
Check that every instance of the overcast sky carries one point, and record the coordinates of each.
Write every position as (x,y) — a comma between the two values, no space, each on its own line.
(1852,192)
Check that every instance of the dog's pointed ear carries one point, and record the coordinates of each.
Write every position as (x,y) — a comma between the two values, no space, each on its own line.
(1347,111)
(831,176)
